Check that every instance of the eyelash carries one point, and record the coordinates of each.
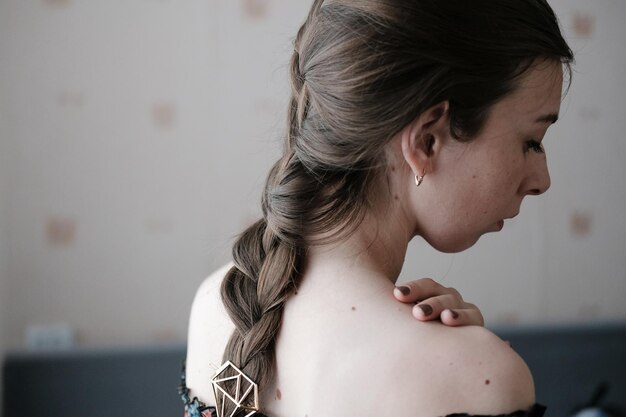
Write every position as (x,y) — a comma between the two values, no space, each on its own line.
(534,145)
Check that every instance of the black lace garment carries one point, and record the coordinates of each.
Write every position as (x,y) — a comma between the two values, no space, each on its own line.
(196,408)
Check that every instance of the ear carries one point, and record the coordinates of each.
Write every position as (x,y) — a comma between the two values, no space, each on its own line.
(422,138)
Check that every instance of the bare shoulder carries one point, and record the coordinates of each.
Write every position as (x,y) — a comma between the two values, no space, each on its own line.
(495,378)
(417,369)
(468,370)
(209,330)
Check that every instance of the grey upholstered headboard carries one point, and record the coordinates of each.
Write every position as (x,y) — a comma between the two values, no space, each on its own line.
(567,363)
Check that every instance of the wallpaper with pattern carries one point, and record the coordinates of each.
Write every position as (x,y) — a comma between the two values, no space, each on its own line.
(136,135)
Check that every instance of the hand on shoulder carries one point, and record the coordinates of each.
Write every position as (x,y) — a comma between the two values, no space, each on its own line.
(434,301)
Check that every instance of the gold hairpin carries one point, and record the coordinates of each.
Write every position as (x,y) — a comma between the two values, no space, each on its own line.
(246,390)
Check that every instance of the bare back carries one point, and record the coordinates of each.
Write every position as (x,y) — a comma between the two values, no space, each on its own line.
(359,352)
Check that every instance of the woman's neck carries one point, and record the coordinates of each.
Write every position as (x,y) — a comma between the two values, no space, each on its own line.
(376,248)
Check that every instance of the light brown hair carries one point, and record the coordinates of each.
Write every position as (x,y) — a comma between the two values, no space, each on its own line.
(361,71)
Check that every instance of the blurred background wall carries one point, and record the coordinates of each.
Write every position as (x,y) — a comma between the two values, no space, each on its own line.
(4,177)
(135,136)
(4,181)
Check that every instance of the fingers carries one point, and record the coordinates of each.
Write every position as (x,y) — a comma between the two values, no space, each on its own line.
(436,302)
(434,306)
(462,317)
(421,289)
(452,317)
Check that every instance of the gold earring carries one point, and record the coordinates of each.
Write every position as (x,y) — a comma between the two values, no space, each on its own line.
(419,178)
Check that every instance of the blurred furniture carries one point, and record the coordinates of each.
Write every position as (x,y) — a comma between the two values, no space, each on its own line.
(568,363)
(104,383)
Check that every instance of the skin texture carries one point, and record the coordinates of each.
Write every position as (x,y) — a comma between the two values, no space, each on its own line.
(470,187)
(346,345)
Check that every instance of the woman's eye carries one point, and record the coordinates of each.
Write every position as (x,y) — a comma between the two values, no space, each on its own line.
(534,146)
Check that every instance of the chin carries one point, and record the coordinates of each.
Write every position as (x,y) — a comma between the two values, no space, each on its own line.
(452,245)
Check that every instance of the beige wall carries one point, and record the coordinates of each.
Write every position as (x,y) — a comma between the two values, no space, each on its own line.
(140,134)
(3,226)
(4,172)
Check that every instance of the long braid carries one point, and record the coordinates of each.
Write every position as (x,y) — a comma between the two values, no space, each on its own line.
(268,255)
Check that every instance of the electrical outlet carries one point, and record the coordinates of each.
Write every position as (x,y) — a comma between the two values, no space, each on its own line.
(49,337)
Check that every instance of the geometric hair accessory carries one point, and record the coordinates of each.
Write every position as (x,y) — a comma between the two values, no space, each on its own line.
(245,392)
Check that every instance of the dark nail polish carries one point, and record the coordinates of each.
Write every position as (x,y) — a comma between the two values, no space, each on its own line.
(428,310)
(404,290)
(455,315)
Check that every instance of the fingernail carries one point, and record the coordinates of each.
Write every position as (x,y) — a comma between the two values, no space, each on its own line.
(404,290)
(428,310)
(455,315)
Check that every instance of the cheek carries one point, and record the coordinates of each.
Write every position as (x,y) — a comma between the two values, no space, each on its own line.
(474,194)
(493,196)
(484,197)
(500,178)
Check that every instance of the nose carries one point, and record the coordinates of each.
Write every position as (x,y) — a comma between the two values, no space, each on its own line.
(538,180)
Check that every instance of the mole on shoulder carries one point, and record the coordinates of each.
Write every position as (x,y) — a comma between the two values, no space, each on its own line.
(353,308)
(279,394)
(487,382)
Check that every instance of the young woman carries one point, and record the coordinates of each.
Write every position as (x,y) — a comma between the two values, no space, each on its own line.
(407,117)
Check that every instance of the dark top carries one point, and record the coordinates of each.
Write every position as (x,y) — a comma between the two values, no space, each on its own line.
(196,408)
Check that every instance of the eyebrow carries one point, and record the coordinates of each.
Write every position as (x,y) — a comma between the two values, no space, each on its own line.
(548,118)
